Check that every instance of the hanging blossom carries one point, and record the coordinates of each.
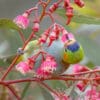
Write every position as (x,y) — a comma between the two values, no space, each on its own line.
(47,67)
(81,85)
(25,67)
(22,21)
(79,68)
(36,26)
(92,94)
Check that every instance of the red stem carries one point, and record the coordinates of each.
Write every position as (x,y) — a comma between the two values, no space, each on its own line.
(82,73)
(44,5)
(14,93)
(51,17)
(29,11)
(11,89)
(52,78)
(10,67)
(50,89)
(19,81)
(22,36)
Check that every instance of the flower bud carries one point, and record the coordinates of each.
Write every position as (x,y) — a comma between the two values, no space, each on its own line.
(43,38)
(52,37)
(79,68)
(53,7)
(36,27)
(66,3)
(22,21)
(80,3)
(81,85)
(23,67)
(69,14)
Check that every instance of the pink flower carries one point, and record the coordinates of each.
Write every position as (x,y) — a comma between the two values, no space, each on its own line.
(81,85)
(36,27)
(79,68)
(47,67)
(23,67)
(93,94)
(42,73)
(22,21)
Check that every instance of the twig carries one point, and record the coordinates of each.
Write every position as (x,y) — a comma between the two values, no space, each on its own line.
(14,93)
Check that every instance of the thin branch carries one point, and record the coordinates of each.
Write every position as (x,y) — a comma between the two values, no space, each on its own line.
(10,67)
(44,9)
(52,78)
(51,17)
(50,89)
(22,36)
(13,92)
(82,73)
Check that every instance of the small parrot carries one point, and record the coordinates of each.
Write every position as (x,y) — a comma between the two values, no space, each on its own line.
(29,50)
(73,51)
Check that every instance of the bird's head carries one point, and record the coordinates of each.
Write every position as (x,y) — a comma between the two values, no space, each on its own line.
(70,39)
(69,42)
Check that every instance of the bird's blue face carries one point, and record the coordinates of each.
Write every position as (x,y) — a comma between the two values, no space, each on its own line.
(72,47)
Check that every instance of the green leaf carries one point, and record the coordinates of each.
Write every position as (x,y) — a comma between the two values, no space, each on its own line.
(78,18)
(46,94)
(25,90)
(56,84)
(9,24)
(91,48)
(4,63)
(89,37)
(86,19)
(9,43)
